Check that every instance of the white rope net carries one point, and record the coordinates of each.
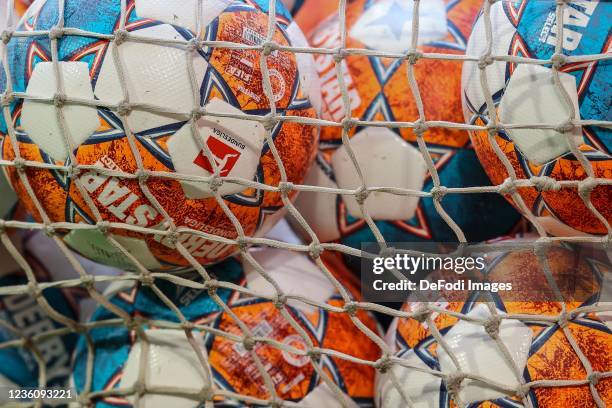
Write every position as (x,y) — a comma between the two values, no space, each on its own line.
(210,393)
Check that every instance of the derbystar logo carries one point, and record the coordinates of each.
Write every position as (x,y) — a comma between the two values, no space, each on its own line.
(225,157)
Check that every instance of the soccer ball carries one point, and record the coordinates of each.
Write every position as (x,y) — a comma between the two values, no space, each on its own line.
(173,362)
(526,94)
(22,5)
(23,316)
(538,345)
(8,199)
(145,157)
(379,90)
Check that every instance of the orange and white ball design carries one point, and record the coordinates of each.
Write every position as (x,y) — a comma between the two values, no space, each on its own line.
(152,176)
(538,344)
(282,340)
(527,96)
(379,90)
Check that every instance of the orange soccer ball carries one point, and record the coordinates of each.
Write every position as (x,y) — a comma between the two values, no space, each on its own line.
(379,90)
(282,338)
(525,94)
(152,176)
(541,344)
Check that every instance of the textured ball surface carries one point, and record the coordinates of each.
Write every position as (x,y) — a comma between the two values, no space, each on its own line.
(132,177)
(231,364)
(24,316)
(379,90)
(526,94)
(539,348)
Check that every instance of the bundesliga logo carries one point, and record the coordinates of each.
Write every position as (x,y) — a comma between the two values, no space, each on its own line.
(224,155)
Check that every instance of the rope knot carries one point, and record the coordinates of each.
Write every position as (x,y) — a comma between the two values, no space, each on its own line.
(147,280)
(493,129)
(387,252)
(348,124)
(35,291)
(545,183)
(453,382)
(314,355)
(586,187)
(134,323)
(485,61)
(420,127)
(563,320)
(19,163)
(56,33)
(350,308)
(121,36)
(49,230)
(269,122)
(142,176)
(565,127)
(172,237)
(280,301)
(187,326)
(594,377)
(491,326)
(83,400)
(140,388)
(7,99)
(242,244)
(339,55)
(215,182)
(383,364)
(87,281)
(211,288)
(59,100)
(285,187)
(558,60)
(196,114)
(6,36)
(413,57)
(103,227)
(522,390)
(421,315)
(193,45)
(72,171)
(438,193)
(507,187)
(206,394)
(124,109)
(361,195)
(249,343)
(268,48)
(315,249)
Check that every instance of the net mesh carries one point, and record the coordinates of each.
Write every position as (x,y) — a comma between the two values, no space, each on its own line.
(387,360)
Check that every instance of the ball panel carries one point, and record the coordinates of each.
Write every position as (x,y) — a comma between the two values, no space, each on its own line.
(241,69)
(40,120)
(379,90)
(124,199)
(535,35)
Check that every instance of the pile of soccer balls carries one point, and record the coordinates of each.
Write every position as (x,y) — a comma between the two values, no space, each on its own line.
(157,143)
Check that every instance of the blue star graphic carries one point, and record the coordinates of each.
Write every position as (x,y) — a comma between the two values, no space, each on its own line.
(395,18)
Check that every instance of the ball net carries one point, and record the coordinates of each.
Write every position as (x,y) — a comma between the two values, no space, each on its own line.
(248,338)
